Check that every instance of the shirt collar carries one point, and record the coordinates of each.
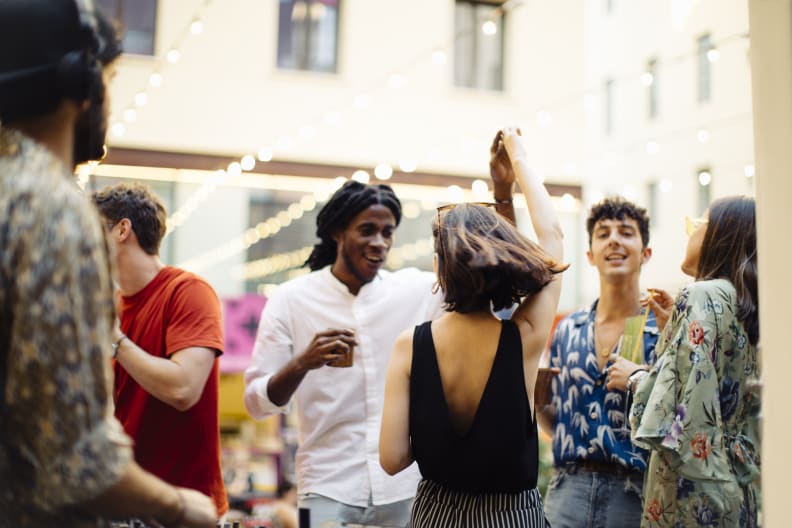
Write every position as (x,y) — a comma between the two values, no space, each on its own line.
(587,317)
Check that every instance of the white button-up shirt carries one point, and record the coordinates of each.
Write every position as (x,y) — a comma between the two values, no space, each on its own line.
(339,410)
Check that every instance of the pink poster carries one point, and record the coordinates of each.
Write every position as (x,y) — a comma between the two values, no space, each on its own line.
(240,318)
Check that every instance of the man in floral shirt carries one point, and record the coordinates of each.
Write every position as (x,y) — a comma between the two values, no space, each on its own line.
(64,460)
(599,472)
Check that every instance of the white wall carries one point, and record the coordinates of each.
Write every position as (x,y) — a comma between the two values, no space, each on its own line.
(618,45)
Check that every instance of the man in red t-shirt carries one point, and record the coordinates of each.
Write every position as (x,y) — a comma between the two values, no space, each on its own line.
(166,348)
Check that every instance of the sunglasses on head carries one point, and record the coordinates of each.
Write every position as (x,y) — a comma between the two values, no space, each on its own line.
(448,207)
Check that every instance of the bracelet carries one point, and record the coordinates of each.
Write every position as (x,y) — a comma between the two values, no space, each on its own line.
(505,201)
(117,344)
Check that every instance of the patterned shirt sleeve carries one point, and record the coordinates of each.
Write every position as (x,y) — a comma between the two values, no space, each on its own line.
(67,447)
(676,409)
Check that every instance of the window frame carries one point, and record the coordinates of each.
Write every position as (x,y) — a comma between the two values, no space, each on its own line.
(118,16)
(499,84)
(303,62)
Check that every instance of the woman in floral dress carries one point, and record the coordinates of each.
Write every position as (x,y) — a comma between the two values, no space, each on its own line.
(695,409)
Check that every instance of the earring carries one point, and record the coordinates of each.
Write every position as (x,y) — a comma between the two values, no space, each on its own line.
(436,287)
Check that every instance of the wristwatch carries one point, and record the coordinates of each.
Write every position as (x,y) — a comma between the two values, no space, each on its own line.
(635,378)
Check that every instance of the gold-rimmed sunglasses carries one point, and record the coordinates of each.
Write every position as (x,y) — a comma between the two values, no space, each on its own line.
(691,224)
(448,207)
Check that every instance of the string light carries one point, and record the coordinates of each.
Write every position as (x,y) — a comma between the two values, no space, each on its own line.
(383,171)
(265,154)
(264,229)
(363,100)
(174,56)
(155,78)
(489,28)
(248,162)
(361,176)
(197,27)
(408,165)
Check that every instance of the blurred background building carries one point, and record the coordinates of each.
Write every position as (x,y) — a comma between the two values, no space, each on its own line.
(245,114)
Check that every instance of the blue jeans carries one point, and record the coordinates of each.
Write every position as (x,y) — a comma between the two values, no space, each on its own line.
(327,513)
(584,499)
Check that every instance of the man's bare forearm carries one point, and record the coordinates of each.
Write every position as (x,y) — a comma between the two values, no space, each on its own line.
(284,383)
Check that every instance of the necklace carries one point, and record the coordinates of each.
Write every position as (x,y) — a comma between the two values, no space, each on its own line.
(603,351)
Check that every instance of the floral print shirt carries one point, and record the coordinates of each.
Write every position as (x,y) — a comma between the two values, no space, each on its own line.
(59,443)
(591,421)
(696,412)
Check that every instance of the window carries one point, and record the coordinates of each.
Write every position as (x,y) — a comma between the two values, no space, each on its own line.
(704,68)
(478,45)
(703,183)
(650,80)
(137,19)
(308,35)
(607,109)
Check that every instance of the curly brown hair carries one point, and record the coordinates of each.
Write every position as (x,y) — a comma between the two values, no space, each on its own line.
(141,206)
(617,208)
(484,262)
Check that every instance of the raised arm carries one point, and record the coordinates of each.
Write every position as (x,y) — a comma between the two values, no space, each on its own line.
(503,178)
(543,215)
(536,312)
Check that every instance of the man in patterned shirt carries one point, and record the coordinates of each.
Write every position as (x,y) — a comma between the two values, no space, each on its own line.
(64,460)
(599,473)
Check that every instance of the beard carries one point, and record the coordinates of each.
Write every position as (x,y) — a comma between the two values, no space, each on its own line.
(353,269)
(90,132)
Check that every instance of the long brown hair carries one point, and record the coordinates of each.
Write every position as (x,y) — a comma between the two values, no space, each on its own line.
(483,260)
(728,251)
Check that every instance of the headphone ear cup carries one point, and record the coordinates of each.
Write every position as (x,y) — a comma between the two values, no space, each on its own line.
(78,76)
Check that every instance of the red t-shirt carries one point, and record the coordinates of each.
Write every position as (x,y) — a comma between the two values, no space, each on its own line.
(176,310)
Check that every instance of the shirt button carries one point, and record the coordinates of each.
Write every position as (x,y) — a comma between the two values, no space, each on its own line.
(598,382)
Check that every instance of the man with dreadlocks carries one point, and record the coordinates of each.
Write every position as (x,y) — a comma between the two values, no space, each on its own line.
(347,306)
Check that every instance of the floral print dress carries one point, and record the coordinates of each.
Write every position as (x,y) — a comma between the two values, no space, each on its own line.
(695,412)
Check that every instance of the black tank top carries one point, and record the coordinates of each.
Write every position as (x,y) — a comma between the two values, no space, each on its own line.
(500,451)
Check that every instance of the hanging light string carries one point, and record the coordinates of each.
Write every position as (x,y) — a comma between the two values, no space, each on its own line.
(261,231)
(291,260)
(156,76)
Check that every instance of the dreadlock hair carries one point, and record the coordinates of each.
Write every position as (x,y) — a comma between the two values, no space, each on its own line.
(484,262)
(346,203)
(728,251)
(617,208)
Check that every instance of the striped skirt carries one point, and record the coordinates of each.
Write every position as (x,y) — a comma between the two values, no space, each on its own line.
(436,506)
